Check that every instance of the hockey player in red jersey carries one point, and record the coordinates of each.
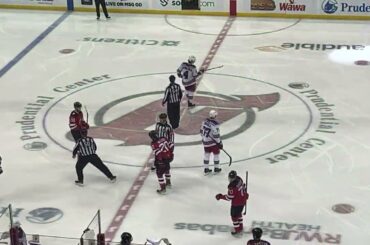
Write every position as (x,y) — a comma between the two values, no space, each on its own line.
(163,156)
(238,196)
(77,122)
(257,234)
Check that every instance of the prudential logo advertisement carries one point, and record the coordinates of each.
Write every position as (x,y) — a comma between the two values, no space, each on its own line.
(332,6)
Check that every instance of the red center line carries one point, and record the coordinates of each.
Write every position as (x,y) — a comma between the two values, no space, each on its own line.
(131,196)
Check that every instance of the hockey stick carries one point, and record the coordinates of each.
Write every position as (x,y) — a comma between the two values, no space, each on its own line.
(230,158)
(246,190)
(87,114)
(217,67)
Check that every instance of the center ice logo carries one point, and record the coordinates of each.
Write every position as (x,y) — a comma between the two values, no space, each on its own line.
(330,6)
(131,128)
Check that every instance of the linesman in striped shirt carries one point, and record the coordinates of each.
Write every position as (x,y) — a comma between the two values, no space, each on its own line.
(165,130)
(85,148)
(172,96)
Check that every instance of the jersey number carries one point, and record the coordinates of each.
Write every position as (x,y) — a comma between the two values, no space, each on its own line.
(186,74)
(206,132)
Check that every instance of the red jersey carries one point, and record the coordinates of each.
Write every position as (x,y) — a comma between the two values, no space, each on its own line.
(236,192)
(76,121)
(258,242)
(162,149)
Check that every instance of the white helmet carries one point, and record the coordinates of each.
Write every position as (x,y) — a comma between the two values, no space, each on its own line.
(191,59)
(213,114)
(17,224)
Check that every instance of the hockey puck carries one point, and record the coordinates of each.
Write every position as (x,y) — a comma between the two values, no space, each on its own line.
(66,51)
(362,62)
(343,208)
(298,85)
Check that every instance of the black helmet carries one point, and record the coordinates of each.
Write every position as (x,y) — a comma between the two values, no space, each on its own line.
(153,135)
(257,233)
(232,175)
(172,78)
(83,132)
(77,104)
(163,116)
(126,238)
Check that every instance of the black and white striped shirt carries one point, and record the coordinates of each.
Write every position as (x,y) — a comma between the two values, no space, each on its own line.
(85,147)
(165,130)
(172,94)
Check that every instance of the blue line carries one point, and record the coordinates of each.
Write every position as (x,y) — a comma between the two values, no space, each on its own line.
(33,44)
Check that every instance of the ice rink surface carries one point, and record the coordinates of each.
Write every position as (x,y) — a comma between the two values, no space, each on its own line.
(292,96)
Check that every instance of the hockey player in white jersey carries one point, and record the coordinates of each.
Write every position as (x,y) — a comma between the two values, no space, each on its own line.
(188,73)
(212,143)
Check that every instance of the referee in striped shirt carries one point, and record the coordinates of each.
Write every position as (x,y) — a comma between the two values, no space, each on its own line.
(86,148)
(164,130)
(172,96)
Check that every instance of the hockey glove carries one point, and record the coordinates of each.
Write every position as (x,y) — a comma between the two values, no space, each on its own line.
(220,145)
(219,196)
(179,74)
(1,170)
(84,125)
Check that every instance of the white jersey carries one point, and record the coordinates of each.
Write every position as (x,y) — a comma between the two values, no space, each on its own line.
(210,132)
(188,74)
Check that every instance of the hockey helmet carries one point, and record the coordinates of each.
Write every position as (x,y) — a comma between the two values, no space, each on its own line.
(172,78)
(191,59)
(257,233)
(162,116)
(153,135)
(77,104)
(126,238)
(83,132)
(213,114)
(17,224)
(232,175)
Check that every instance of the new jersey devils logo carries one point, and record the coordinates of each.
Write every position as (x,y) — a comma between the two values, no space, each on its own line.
(130,128)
